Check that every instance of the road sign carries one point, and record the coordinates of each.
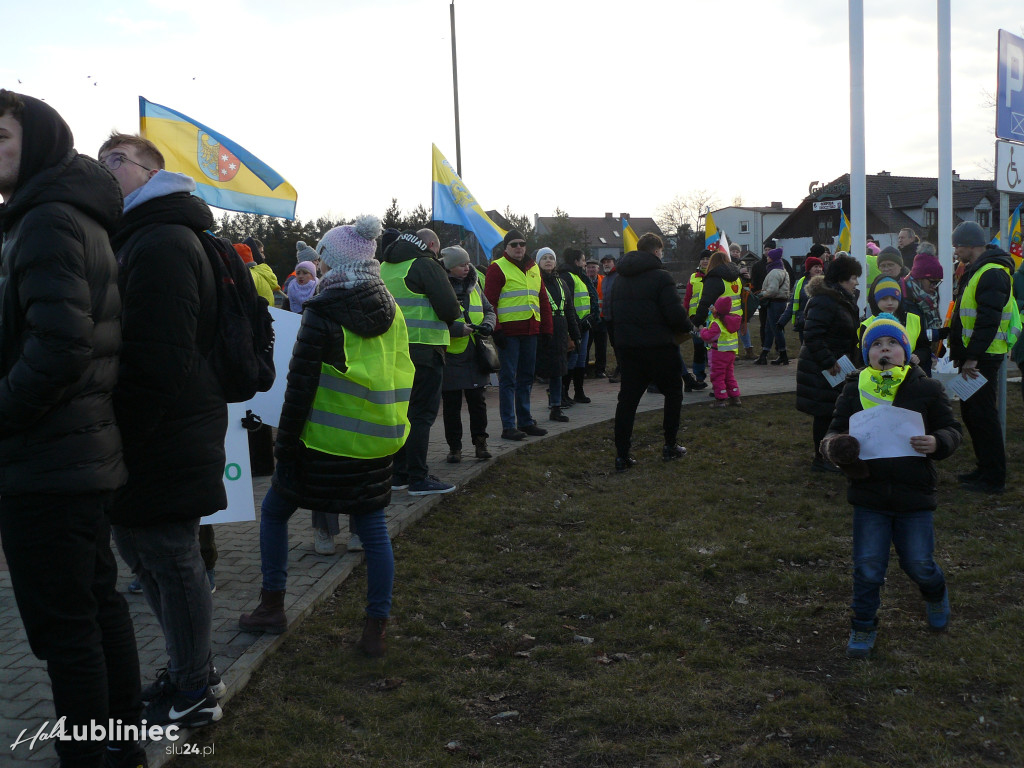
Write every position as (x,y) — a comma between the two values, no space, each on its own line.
(1009,167)
(1010,88)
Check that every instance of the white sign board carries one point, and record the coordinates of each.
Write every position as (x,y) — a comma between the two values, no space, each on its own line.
(828,205)
(1009,167)
(237,474)
(267,405)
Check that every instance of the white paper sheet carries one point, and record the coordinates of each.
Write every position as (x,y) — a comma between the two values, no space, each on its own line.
(963,387)
(846,367)
(885,431)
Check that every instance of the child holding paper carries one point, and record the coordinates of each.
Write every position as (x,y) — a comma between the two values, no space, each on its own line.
(893,498)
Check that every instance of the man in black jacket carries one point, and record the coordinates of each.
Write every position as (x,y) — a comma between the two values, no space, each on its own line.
(173,418)
(977,344)
(649,319)
(60,451)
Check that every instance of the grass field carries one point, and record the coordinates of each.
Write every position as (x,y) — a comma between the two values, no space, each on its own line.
(693,613)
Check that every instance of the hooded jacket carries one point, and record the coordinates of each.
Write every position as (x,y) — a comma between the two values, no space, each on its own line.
(59,332)
(905,483)
(426,276)
(307,477)
(831,320)
(992,293)
(169,404)
(714,286)
(645,303)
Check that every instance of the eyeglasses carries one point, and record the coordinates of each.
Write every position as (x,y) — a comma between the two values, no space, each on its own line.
(517,244)
(114,161)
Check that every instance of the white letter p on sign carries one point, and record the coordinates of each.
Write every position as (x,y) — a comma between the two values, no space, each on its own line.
(1014,70)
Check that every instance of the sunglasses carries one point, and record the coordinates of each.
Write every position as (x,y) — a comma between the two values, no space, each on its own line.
(517,244)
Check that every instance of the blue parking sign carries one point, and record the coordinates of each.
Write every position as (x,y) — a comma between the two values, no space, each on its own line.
(1010,88)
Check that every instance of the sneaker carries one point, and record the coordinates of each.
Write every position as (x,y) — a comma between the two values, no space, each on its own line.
(135,587)
(534,430)
(217,686)
(429,485)
(355,544)
(172,707)
(152,691)
(980,486)
(512,434)
(860,643)
(622,463)
(323,542)
(211,576)
(670,452)
(938,613)
(399,485)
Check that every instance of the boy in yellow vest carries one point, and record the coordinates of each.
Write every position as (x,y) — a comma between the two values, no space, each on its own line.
(893,498)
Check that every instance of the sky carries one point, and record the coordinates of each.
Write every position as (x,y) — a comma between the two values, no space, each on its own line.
(588,107)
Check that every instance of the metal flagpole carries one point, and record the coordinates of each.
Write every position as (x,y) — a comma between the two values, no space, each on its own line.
(858,216)
(455,82)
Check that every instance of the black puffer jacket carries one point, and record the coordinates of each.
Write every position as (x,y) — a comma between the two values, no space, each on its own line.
(169,404)
(645,304)
(461,370)
(307,477)
(60,333)
(553,349)
(991,295)
(831,321)
(906,483)
(713,288)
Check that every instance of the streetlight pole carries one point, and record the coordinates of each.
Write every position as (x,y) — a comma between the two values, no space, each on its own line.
(455,83)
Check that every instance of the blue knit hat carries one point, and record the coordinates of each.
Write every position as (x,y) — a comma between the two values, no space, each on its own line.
(887,286)
(885,325)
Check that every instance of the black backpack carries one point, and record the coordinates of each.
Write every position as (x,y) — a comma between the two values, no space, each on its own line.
(242,353)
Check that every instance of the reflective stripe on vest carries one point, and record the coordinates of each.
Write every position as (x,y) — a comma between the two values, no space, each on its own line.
(581,297)
(557,307)
(728,341)
(796,295)
(873,392)
(424,326)
(363,412)
(476,316)
(520,296)
(1007,331)
(697,288)
(912,326)
(735,291)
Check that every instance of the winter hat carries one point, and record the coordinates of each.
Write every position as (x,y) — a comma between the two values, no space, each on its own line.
(926,266)
(812,261)
(454,256)
(390,235)
(593,260)
(816,251)
(887,286)
(256,246)
(350,242)
(544,252)
(769,243)
(304,253)
(308,266)
(512,234)
(886,325)
(970,234)
(775,254)
(723,306)
(889,254)
(244,251)
(873,249)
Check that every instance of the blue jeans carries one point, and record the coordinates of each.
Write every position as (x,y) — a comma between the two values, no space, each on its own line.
(371,528)
(913,536)
(745,338)
(515,380)
(167,560)
(776,309)
(555,392)
(578,357)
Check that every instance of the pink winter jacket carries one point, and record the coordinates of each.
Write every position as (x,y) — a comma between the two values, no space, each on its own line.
(710,334)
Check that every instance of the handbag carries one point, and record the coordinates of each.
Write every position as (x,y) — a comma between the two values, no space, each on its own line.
(487,360)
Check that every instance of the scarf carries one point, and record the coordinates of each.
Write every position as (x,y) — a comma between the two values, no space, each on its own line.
(351,274)
(300,294)
(927,302)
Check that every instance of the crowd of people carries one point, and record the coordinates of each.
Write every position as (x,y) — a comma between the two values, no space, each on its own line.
(114,418)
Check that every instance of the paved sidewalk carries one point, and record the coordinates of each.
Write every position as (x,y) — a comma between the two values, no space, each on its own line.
(25,700)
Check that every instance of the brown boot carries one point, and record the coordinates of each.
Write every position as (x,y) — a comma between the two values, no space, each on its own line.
(268,616)
(454,456)
(374,640)
(750,354)
(480,443)
(735,400)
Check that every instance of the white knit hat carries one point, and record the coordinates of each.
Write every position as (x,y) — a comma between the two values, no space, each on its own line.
(351,242)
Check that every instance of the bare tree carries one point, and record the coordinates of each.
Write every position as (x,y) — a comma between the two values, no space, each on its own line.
(684,209)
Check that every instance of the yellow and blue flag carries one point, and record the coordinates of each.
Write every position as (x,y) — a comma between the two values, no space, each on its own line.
(454,204)
(714,238)
(226,174)
(1015,248)
(844,233)
(629,238)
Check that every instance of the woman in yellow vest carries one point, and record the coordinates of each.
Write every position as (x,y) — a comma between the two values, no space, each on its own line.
(463,378)
(344,415)
(553,350)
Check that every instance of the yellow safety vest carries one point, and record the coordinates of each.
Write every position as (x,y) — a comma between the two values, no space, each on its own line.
(580,297)
(913,327)
(362,412)
(733,290)
(520,296)
(728,341)
(1009,322)
(697,287)
(878,388)
(425,327)
(476,316)
(796,296)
